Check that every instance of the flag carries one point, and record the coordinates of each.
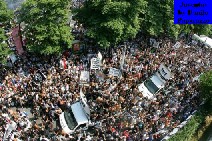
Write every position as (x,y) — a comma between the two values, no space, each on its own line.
(99,56)
(17,40)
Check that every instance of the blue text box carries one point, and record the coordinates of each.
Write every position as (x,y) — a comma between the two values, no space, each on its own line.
(192,11)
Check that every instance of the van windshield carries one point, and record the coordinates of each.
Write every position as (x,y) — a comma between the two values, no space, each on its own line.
(151,86)
(70,119)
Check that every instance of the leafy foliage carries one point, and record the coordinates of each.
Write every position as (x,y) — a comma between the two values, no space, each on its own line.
(206,86)
(4,49)
(46,28)
(199,29)
(5,17)
(5,13)
(194,124)
(111,21)
(205,29)
(159,21)
(189,129)
(199,118)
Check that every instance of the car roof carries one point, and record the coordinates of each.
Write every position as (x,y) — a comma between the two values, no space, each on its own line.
(206,40)
(157,81)
(79,113)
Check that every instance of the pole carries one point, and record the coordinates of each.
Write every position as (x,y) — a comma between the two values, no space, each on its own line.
(123,56)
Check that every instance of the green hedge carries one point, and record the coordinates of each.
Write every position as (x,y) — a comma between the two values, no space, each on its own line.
(189,129)
(192,125)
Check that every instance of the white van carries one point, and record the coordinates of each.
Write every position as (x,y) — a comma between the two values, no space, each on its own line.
(203,39)
(152,85)
(77,117)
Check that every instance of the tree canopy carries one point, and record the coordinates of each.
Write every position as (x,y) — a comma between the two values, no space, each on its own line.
(5,17)
(5,13)
(111,21)
(159,19)
(206,86)
(46,29)
(205,29)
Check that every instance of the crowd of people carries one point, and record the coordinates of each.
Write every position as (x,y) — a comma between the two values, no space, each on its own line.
(49,88)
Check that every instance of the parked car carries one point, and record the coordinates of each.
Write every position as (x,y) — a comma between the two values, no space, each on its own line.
(77,117)
(155,83)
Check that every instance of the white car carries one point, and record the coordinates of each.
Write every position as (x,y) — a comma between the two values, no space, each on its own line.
(73,119)
(77,117)
(152,85)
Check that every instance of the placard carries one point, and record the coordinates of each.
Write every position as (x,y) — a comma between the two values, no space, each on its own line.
(95,63)
(114,72)
(99,55)
(177,45)
(164,72)
(84,77)
(83,102)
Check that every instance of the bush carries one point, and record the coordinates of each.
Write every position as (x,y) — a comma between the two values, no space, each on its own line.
(189,129)
(206,86)
(193,125)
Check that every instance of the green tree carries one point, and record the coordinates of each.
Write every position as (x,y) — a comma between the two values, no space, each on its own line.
(5,13)
(46,28)
(4,49)
(5,17)
(111,21)
(200,29)
(159,19)
(203,29)
(206,86)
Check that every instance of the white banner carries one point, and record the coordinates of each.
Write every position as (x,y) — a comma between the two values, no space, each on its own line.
(177,45)
(164,72)
(84,104)
(114,72)
(95,63)
(123,57)
(99,55)
(84,77)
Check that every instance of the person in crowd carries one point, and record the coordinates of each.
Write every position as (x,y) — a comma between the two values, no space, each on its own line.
(40,83)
